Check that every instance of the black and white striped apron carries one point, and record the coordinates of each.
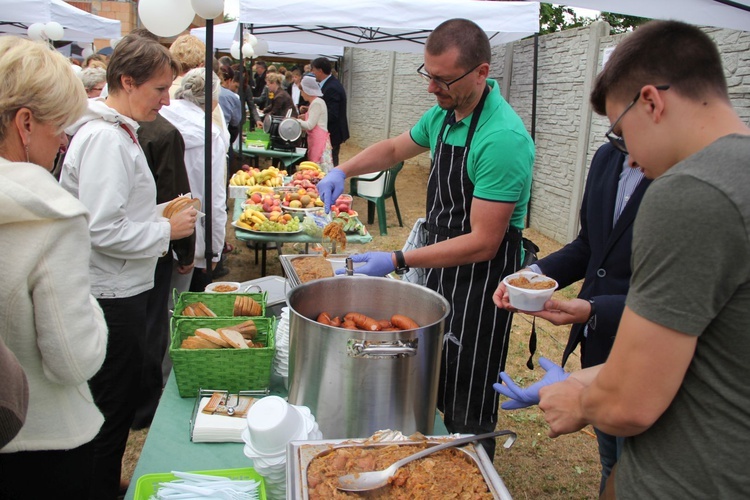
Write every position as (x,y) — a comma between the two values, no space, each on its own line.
(476,342)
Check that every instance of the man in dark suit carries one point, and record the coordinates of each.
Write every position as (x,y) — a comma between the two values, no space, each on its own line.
(259,78)
(335,97)
(601,256)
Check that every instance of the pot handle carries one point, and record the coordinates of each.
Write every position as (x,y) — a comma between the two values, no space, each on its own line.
(357,348)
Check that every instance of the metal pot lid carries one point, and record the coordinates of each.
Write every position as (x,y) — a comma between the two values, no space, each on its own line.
(289,129)
(267,123)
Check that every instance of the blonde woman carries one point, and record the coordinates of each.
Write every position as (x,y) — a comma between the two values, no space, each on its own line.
(279,100)
(106,169)
(48,318)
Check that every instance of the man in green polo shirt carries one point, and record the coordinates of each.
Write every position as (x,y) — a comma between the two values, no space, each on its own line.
(477,197)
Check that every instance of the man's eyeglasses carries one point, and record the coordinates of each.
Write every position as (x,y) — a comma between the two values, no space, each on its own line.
(440,83)
(617,141)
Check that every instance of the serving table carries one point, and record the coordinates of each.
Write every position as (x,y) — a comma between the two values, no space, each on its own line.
(287,158)
(168,446)
(263,239)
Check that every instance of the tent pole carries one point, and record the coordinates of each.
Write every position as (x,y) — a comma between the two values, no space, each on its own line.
(533,110)
(207,157)
(243,97)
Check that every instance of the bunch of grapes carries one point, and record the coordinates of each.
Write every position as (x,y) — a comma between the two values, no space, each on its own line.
(277,227)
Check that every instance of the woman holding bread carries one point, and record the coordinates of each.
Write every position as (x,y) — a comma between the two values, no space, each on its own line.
(106,169)
(49,320)
(187,113)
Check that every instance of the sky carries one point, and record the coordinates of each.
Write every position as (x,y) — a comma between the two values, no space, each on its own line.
(232,8)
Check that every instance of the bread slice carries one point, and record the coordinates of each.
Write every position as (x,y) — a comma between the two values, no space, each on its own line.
(246,306)
(204,309)
(198,309)
(212,336)
(233,338)
(247,329)
(195,342)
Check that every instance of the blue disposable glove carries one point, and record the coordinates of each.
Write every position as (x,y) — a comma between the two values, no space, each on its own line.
(377,263)
(331,186)
(521,398)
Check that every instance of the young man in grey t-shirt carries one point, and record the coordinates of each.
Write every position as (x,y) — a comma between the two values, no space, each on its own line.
(675,383)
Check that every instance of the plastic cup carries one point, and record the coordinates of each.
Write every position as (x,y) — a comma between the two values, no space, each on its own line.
(529,299)
(272,423)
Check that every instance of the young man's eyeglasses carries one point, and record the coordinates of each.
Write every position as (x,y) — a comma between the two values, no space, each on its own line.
(617,141)
(440,83)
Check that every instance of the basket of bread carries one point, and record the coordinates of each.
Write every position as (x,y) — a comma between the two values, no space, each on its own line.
(221,341)
(227,353)
(219,305)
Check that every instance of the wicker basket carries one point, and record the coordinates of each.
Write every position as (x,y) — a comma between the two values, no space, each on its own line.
(222,369)
(220,303)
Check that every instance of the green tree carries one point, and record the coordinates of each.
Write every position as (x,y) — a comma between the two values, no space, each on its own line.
(553,18)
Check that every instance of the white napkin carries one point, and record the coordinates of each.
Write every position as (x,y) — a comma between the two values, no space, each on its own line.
(217,428)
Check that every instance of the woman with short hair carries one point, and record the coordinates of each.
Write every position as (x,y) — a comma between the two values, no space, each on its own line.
(49,320)
(187,113)
(279,100)
(94,80)
(106,169)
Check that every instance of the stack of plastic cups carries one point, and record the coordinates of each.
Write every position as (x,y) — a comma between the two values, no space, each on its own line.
(281,359)
(271,424)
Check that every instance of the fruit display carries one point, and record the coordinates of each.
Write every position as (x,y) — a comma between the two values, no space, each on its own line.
(302,198)
(275,222)
(263,202)
(308,175)
(260,189)
(349,223)
(252,176)
(343,205)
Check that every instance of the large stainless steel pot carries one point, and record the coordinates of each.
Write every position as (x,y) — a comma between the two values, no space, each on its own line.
(358,382)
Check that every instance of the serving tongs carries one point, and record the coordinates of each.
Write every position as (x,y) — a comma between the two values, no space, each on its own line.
(365,481)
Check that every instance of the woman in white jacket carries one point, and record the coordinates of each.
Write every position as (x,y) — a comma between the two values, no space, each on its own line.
(48,318)
(187,113)
(106,169)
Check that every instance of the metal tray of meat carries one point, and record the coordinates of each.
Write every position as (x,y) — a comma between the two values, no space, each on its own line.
(336,260)
(301,453)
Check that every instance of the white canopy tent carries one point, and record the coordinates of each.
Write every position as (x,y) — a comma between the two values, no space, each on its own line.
(733,14)
(226,33)
(79,25)
(397,25)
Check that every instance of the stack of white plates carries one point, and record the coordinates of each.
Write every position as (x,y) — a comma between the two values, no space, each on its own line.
(281,359)
(271,462)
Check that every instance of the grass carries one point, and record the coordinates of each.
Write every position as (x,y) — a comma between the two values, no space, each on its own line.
(536,466)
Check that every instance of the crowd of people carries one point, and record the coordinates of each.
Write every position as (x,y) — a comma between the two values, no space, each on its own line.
(85,327)
(662,248)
